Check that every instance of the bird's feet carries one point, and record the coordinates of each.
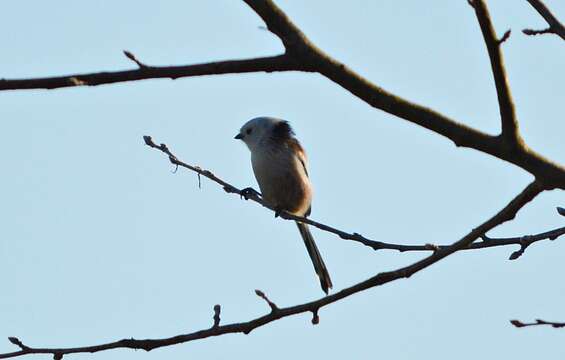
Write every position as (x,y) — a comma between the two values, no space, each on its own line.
(248,192)
(278,211)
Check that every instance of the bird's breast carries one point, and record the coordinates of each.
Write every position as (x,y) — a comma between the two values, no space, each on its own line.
(283,181)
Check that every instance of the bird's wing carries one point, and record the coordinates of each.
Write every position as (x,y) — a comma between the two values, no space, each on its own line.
(300,153)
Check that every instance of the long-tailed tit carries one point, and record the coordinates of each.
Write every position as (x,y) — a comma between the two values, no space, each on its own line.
(279,164)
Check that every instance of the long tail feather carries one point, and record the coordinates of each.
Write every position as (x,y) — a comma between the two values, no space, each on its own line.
(317,260)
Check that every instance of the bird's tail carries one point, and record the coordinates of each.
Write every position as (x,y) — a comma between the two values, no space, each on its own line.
(317,260)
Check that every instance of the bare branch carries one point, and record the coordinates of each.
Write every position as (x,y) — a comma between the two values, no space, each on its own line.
(523,241)
(510,132)
(555,26)
(226,186)
(301,55)
(520,324)
(266,64)
(299,47)
(506,214)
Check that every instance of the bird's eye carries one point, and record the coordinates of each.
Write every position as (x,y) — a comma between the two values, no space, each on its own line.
(248,131)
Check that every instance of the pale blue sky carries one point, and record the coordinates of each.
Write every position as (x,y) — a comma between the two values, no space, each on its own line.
(100,241)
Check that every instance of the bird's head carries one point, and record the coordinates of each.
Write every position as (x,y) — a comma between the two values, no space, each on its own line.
(261,130)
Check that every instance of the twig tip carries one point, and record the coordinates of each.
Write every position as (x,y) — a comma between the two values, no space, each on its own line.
(14,340)
(315,317)
(132,57)
(505,36)
(148,140)
(516,254)
(517,323)
(217,311)
(271,304)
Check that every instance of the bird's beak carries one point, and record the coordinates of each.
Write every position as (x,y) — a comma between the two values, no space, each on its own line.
(238,136)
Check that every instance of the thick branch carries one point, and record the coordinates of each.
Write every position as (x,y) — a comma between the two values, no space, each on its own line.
(267,64)
(555,26)
(487,242)
(299,46)
(505,103)
(506,214)
(302,55)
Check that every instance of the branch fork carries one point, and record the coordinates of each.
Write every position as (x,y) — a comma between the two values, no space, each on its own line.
(555,26)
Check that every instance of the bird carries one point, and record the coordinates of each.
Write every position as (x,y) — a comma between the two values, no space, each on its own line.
(280,166)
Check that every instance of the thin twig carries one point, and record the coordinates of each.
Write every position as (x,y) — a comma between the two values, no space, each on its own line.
(523,241)
(504,37)
(217,311)
(132,57)
(555,26)
(506,214)
(271,304)
(520,324)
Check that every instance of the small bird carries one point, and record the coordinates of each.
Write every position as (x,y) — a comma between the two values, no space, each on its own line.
(280,167)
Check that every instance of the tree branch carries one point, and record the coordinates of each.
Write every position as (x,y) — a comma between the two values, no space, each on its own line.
(506,214)
(266,64)
(299,47)
(487,242)
(520,324)
(555,26)
(510,132)
(524,241)
(301,55)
